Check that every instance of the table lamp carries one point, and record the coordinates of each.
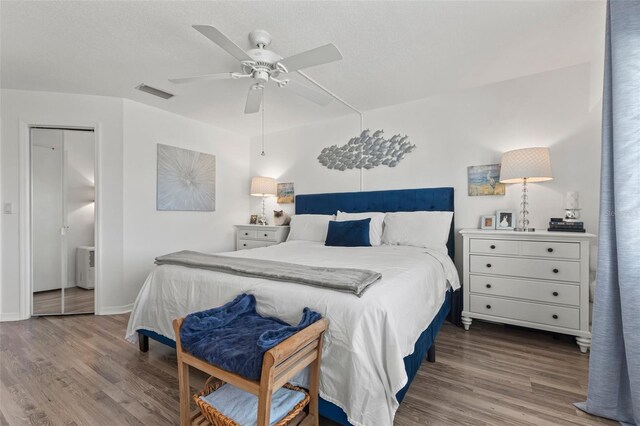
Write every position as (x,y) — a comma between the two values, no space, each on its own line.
(262,186)
(524,166)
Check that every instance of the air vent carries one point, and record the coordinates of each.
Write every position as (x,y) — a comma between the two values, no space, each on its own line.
(155,92)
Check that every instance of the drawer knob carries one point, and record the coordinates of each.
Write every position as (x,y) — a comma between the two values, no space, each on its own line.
(488,285)
(555,316)
(492,247)
(266,235)
(556,270)
(550,250)
(244,245)
(488,265)
(488,306)
(555,293)
(246,233)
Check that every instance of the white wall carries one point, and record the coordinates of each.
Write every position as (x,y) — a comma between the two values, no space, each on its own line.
(456,130)
(149,233)
(133,232)
(67,110)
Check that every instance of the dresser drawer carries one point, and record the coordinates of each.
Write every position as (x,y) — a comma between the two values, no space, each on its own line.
(550,249)
(266,235)
(550,269)
(249,234)
(526,311)
(539,291)
(487,246)
(249,244)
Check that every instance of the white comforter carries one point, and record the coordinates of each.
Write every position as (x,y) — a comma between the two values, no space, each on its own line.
(368,337)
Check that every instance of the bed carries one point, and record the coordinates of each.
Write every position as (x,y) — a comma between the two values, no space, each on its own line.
(377,341)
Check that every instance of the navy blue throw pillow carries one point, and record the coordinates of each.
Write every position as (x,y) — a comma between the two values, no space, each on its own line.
(350,233)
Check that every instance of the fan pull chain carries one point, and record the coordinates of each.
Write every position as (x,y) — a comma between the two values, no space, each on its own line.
(262,153)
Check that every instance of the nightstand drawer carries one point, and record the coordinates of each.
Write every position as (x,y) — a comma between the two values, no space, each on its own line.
(538,291)
(493,246)
(551,249)
(266,235)
(557,270)
(249,244)
(248,234)
(525,311)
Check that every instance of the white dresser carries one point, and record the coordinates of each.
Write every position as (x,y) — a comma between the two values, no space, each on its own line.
(252,236)
(531,279)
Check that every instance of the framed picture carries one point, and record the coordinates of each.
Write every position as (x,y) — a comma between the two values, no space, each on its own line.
(285,193)
(505,219)
(253,220)
(488,222)
(484,180)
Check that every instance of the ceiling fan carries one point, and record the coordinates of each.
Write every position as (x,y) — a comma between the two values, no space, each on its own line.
(263,65)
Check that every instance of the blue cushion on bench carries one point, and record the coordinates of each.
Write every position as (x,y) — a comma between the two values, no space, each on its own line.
(234,337)
(242,407)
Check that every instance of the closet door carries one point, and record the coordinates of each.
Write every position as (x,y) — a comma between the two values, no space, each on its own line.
(47,220)
(62,191)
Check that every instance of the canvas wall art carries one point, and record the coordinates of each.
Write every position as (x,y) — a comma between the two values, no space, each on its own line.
(285,193)
(485,180)
(186,180)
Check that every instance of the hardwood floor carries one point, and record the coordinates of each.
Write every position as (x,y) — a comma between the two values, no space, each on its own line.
(78,370)
(76,301)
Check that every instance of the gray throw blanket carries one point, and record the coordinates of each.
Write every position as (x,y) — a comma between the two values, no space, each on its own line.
(347,280)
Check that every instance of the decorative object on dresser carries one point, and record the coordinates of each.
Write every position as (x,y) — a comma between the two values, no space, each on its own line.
(285,193)
(366,152)
(253,219)
(253,236)
(504,219)
(484,180)
(558,224)
(488,222)
(262,186)
(186,180)
(572,206)
(280,218)
(538,280)
(525,166)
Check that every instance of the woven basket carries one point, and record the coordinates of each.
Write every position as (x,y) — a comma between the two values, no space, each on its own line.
(216,418)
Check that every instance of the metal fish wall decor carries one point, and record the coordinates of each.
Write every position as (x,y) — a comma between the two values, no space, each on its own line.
(366,152)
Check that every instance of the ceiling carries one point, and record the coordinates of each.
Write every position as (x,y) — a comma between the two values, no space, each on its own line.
(394,52)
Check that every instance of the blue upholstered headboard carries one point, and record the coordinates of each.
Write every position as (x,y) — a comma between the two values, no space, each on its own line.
(399,200)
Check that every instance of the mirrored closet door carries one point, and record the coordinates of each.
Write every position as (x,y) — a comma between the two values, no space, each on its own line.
(62,220)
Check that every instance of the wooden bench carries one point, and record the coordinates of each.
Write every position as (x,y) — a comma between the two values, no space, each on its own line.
(279,365)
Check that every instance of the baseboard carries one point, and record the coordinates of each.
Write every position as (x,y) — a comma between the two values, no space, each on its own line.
(11,316)
(115,310)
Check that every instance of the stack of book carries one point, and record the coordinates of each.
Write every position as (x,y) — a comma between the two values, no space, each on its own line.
(561,225)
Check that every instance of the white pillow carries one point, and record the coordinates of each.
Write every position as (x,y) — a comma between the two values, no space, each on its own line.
(309,227)
(375,227)
(419,229)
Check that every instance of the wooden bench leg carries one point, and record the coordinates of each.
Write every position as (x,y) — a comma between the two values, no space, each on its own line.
(185,394)
(431,353)
(143,342)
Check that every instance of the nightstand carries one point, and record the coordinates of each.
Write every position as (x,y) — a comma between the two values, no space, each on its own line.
(253,236)
(531,279)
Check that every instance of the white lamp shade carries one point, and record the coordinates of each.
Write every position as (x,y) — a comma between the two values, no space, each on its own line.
(262,186)
(534,164)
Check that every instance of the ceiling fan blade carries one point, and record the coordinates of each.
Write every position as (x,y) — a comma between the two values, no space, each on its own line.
(254,99)
(223,41)
(308,93)
(311,58)
(206,77)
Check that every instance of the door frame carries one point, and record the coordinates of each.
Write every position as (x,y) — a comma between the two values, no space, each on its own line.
(26,275)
